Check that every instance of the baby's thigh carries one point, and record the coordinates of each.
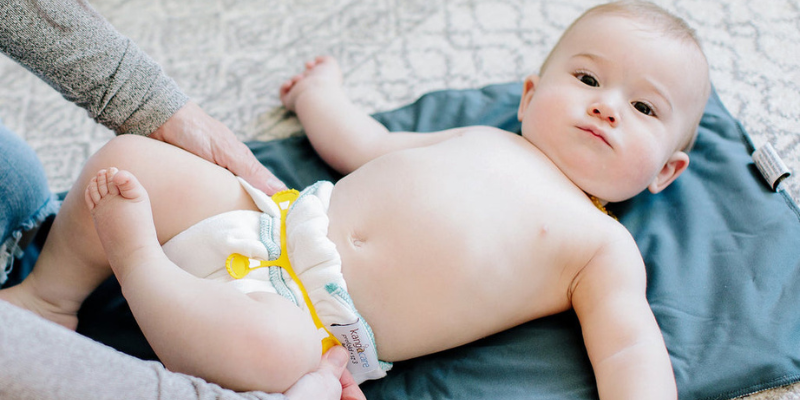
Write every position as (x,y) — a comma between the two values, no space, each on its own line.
(184,189)
(257,341)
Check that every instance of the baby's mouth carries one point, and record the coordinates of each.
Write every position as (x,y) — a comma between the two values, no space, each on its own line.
(596,133)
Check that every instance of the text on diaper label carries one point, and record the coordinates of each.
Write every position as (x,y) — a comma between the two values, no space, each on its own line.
(355,338)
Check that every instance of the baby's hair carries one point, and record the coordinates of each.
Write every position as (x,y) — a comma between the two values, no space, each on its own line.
(654,17)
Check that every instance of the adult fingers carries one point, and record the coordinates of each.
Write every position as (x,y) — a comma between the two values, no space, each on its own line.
(322,384)
(237,158)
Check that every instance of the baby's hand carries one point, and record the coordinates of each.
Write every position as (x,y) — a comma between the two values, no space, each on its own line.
(323,71)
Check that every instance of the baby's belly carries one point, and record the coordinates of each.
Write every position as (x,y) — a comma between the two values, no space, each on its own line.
(433,266)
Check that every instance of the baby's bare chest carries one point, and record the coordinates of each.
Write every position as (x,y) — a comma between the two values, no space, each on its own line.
(497,220)
(435,231)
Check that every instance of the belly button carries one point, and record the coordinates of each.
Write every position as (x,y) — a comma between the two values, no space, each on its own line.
(357,241)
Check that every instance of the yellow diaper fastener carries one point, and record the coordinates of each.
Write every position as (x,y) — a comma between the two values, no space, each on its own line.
(239,266)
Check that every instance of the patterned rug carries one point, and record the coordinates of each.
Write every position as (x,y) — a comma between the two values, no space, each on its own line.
(231,56)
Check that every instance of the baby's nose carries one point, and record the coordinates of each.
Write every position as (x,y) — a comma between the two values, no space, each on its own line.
(604,112)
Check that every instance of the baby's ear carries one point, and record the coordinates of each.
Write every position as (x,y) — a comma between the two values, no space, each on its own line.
(528,87)
(674,167)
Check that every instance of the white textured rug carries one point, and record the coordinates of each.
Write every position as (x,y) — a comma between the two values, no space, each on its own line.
(231,56)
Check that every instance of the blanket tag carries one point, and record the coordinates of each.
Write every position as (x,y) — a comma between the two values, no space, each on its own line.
(770,165)
(356,339)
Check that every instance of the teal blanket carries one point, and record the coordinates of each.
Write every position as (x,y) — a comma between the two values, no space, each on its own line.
(722,253)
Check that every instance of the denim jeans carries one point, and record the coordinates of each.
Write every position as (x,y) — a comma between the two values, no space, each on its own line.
(25,199)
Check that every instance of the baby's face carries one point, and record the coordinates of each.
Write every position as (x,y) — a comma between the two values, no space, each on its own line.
(615,104)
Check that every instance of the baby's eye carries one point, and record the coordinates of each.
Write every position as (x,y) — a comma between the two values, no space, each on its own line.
(587,79)
(643,108)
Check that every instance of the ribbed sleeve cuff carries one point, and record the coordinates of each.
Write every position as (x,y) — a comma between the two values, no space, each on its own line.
(144,97)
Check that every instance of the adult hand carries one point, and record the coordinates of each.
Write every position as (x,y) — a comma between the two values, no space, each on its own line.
(331,381)
(195,131)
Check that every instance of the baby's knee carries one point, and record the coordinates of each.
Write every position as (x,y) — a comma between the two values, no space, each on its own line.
(121,152)
(122,145)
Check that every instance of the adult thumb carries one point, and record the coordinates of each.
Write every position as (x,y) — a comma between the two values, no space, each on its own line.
(245,165)
(323,383)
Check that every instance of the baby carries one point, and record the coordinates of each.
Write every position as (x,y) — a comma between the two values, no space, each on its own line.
(429,242)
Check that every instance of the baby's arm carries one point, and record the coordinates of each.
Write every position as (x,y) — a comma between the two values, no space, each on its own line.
(343,135)
(621,334)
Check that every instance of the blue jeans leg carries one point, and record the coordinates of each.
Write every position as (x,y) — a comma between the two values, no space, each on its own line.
(25,199)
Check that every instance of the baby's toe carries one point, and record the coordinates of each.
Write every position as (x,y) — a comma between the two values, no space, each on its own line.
(129,187)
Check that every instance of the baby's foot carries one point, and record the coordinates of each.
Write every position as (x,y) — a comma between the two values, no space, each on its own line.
(123,219)
(323,71)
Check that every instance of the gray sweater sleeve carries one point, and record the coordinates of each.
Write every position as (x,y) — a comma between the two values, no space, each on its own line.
(41,360)
(77,52)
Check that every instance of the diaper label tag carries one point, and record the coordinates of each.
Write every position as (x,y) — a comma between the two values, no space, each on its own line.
(363,355)
(770,165)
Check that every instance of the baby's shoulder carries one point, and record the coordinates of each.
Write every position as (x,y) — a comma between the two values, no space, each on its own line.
(489,137)
(613,264)
(613,236)
(491,130)
(484,132)
(617,250)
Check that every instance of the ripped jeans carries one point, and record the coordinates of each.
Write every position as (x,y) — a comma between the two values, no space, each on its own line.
(25,199)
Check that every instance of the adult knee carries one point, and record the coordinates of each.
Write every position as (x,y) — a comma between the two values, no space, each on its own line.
(23,184)
(25,200)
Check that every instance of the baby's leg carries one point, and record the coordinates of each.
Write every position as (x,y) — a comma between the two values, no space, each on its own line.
(72,263)
(184,189)
(196,326)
